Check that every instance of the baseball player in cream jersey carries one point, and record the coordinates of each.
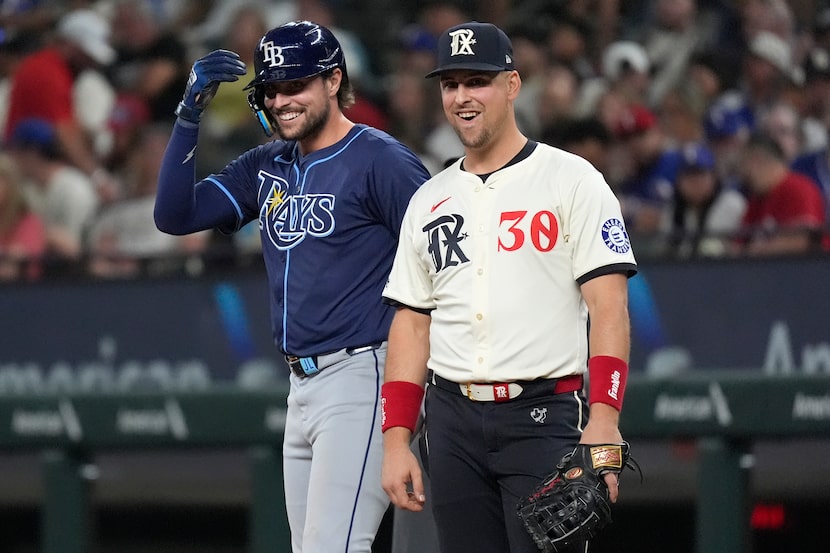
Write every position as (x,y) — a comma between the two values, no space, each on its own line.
(503,259)
(471,249)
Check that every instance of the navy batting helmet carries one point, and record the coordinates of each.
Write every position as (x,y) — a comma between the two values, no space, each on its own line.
(296,50)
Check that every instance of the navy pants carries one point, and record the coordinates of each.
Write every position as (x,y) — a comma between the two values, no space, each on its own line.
(482,457)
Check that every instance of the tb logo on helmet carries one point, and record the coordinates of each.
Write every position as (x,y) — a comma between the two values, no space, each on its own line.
(462,43)
(272,54)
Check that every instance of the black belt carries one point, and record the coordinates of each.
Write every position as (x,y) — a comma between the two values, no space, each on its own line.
(311,365)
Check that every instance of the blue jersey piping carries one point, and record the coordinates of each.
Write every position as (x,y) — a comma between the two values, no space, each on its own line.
(230,197)
(367,450)
(304,175)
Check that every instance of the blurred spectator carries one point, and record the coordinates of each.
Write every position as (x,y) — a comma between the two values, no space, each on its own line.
(366,108)
(681,115)
(782,123)
(129,116)
(821,29)
(712,73)
(416,50)
(42,87)
(229,124)
(626,66)
(587,138)
(625,78)
(603,17)
(704,215)
(94,99)
(556,100)
(412,113)
(203,22)
(410,98)
(728,124)
(531,60)
(123,237)
(678,29)
(815,108)
(786,213)
(649,188)
(772,16)
(569,43)
(816,166)
(22,234)
(151,61)
(436,16)
(59,193)
(12,50)
(769,71)
(28,17)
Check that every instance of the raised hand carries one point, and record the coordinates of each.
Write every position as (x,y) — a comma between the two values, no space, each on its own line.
(207,72)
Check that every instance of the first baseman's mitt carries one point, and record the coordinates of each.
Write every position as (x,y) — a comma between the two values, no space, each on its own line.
(572,505)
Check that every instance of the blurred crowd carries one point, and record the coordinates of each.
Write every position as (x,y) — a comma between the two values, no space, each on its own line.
(708,118)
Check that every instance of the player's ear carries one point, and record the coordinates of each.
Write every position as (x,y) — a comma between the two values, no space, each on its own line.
(514,84)
(334,78)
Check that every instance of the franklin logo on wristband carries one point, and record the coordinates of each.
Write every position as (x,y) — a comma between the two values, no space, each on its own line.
(607,375)
(615,384)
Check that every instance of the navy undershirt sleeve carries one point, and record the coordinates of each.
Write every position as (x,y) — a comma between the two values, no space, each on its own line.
(184,206)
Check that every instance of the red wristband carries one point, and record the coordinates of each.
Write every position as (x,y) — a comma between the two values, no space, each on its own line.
(608,376)
(400,404)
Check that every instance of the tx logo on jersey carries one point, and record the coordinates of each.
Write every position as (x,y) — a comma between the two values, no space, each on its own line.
(444,235)
(287,219)
(462,43)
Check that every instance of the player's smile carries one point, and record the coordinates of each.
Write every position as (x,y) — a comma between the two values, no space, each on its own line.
(468,115)
(288,115)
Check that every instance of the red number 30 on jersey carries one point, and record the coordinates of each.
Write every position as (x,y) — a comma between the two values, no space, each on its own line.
(515,227)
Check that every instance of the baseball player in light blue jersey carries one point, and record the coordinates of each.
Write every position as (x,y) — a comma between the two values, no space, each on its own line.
(329,197)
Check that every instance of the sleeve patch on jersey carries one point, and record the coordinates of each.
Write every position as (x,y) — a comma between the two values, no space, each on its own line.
(615,236)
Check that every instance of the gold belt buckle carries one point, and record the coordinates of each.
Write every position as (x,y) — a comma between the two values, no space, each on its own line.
(470,391)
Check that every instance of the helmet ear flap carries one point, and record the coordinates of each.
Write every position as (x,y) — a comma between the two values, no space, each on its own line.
(256,101)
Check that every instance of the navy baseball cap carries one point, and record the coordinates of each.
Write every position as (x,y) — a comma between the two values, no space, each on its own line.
(474,46)
(727,118)
(696,156)
(34,133)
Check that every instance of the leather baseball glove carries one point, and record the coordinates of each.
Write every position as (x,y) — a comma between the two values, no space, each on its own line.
(571,505)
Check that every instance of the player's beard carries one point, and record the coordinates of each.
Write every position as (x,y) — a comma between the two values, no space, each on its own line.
(474,140)
(314,123)
(482,134)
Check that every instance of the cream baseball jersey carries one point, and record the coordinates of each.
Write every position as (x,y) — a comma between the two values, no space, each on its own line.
(499,263)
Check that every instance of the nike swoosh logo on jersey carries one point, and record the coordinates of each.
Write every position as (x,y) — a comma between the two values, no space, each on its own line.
(436,206)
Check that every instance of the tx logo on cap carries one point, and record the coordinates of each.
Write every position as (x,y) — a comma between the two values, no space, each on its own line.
(462,42)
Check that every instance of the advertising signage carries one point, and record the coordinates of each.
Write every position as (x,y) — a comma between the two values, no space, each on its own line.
(189,334)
